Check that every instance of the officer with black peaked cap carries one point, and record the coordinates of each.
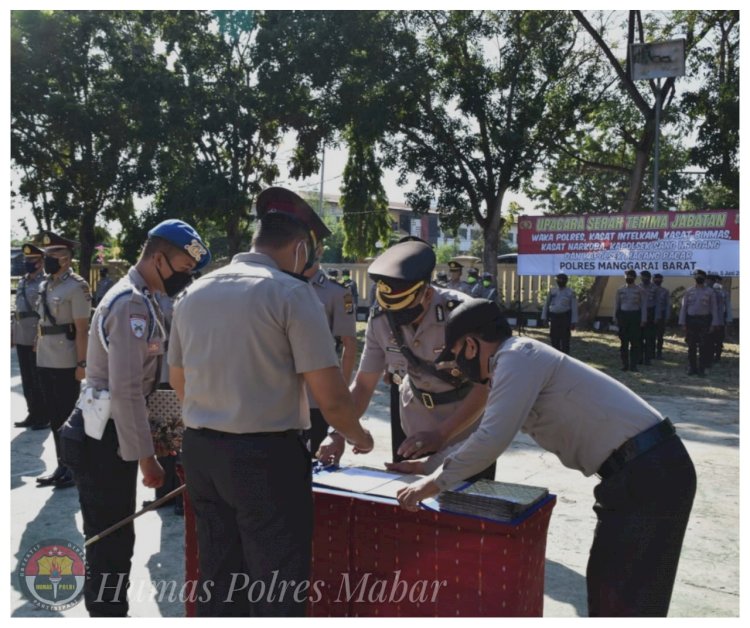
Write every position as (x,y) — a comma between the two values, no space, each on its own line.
(405,332)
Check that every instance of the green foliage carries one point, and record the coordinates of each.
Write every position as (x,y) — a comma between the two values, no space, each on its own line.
(446,252)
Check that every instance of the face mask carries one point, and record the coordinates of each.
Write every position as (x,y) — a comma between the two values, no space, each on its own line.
(176,282)
(562,284)
(51,265)
(470,368)
(645,281)
(408,316)
(629,279)
(657,282)
(471,279)
(486,283)
(30,267)
(700,280)
(717,286)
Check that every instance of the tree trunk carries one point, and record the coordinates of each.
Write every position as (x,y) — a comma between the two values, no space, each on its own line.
(492,234)
(87,236)
(589,309)
(234,234)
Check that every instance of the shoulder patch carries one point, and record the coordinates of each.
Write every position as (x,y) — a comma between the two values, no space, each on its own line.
(138,325)
(439,313)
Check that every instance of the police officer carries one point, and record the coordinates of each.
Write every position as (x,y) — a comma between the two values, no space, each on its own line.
(648,331)
(103,285)
(441,279)
(348,282)
(241,370)
(472,278)
(630,315)
(455,282)
(663,312)
(698,314)
(124,358)
(724,305)
(340,309)
(404,333)
(64,308)
(593,424)
(486,288)
(561,309)
(25,323)
(333,274)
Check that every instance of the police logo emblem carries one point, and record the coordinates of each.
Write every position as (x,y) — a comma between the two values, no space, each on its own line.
(27,250)
(138,326)
(52,573)
(195,250)
(47,239)
(348,303)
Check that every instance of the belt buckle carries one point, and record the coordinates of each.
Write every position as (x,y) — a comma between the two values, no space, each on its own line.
(427,400)
(397,379)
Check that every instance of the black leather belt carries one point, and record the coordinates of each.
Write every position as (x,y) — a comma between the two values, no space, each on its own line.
(634,447)
(50,330)
(209,432)
(431,399)
(22,315)
(560,314)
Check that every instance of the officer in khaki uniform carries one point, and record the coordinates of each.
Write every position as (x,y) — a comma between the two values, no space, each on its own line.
(455,282)
(348,282)
(630,315)
(724,306)
(246,342)
(663,311)
(64,308)
(699,315)
(404,334)
(648,346)
(124,357)
(23,334)
(339,307)
(561,309)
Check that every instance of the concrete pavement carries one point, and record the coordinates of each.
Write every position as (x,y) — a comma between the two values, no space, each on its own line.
(707,581)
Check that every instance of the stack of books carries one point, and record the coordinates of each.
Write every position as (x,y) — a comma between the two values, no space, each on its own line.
(492,500)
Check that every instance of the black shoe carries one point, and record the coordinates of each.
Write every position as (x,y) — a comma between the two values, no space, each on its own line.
(647,362)
(47,480)
(692,372)
(27,422)
(66,481)
(624,367)
(40,426)
(701,372)
(658,356)
(633,369)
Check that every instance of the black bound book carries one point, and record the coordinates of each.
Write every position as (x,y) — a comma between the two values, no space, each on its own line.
(492,500)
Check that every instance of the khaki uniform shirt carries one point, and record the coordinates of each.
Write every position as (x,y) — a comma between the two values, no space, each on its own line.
(130,320)
(338,304)
(27,295)
(559,301)
(569,408)
(459,286)
(699,301)
(651,291)
(630,298)
(68,297)
(244,335)
(663,304)
(381,352)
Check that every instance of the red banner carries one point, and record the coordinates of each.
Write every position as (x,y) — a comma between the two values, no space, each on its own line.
(670,243)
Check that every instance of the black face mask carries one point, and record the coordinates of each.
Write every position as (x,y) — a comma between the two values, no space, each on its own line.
(407,316)
(629,279)
(51,265)
(30,267)
(176,282)
(700,280)
(470,368)
(562,284)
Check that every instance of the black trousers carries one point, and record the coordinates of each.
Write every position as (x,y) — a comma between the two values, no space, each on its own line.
(318,430)
(60,390)
(642,512)
(559,331)
(717,342)
(698,340)
(106,491)
(660,327)
(32,391)
(629,324)
(398,435)
(252,496)
(648,333)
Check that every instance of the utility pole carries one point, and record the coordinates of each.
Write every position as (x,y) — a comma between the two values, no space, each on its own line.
(322,177)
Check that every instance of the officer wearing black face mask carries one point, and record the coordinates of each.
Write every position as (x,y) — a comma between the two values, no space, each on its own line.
(561,309)
(630,315)
(431,411)
(124,358)
(23,334)
(699,315)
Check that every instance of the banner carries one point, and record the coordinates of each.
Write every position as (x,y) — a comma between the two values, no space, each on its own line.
(670,243)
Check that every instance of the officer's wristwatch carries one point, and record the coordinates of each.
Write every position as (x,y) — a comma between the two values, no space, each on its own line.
(82,364)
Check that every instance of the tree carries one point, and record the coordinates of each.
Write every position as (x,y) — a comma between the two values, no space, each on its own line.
(461,99)
(85,115)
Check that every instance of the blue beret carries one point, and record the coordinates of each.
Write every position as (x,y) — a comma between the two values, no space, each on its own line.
(183,236)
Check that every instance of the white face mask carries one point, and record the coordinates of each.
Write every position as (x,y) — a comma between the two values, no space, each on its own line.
(717,286)
(304,257)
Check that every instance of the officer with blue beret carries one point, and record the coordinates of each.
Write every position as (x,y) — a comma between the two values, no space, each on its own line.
(124,360)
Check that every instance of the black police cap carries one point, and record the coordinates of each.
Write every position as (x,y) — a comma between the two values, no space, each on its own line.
(630,272)
(278,199)
(561,276)
(645,273)
(51,240)
(699,273)
(474,272)
(454,265)
(473,315)
(658,276)
(404,263)
(30,249)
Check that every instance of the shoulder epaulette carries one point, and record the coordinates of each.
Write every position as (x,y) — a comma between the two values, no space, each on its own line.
(376,310)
